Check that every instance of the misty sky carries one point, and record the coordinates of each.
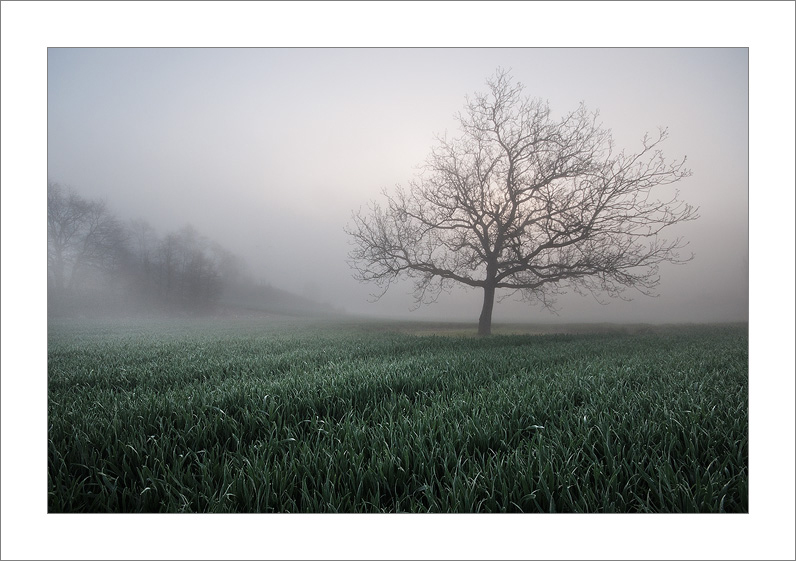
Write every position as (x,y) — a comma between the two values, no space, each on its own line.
(269,150)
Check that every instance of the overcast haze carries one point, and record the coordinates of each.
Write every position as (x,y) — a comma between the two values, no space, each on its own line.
(267,151)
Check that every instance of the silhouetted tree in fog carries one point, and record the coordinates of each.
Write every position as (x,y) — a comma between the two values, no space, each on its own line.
(190,269)
(83,240)
(523,202)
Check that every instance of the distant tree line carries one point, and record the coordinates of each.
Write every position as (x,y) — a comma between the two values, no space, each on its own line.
(95,261)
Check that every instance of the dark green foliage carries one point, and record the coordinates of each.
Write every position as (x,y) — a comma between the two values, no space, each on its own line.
(242,418)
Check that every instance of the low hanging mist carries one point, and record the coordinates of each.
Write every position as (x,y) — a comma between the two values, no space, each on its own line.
(99,264)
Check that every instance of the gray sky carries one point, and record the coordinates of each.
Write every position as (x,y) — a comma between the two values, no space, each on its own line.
(268,151)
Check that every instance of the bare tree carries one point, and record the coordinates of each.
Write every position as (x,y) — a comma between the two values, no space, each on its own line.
(526,203)
(82,236)
(143,240)
(65,216)
(191,271)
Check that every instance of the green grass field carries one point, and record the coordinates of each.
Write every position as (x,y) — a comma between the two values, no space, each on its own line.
(253,415)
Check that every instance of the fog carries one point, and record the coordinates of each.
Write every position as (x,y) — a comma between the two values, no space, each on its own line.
(268,151)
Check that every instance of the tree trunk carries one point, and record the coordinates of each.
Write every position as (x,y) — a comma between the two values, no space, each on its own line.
(485,321)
